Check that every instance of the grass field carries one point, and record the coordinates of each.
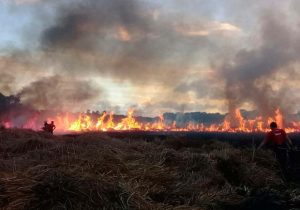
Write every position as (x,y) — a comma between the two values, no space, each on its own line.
(95,171)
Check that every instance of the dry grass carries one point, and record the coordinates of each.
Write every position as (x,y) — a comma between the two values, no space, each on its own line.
(93,171)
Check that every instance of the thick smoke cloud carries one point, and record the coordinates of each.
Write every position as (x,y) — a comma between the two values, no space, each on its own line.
(250,76)
(60,93)
(163,46)
(80,23)
(15,68)
(120,38)
(125,40)
(5,82)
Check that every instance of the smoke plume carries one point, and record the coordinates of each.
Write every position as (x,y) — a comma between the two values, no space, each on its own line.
(160,52)
(60,93)
(121,39)
(251,75)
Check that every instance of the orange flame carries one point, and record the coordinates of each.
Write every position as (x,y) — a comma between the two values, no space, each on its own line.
(106,123)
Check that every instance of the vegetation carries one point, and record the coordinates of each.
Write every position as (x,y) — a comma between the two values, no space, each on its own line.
(95,171)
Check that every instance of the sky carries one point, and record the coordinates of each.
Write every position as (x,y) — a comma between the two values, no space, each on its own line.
(150,55)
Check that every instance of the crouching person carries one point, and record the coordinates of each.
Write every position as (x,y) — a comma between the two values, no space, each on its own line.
(49,127)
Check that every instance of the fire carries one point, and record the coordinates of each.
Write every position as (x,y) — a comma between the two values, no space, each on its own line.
(279,118)
(105,121)
(128,123)
(83,123)
(240,119)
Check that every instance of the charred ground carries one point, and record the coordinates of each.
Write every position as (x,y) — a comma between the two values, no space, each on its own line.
(101,171)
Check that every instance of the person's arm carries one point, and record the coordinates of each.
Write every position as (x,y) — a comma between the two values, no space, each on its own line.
(262,143)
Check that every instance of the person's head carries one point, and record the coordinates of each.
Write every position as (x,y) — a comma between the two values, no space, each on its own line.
(273,125)
(52,122)
(45,122)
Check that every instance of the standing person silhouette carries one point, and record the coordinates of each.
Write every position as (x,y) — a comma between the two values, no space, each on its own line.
(46,126)
(281,144)
(51,127)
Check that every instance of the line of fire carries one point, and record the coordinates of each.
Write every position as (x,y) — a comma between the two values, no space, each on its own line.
(108,121)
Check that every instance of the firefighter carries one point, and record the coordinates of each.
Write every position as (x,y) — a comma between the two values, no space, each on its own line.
(51,127)
(46,126)
(281,145)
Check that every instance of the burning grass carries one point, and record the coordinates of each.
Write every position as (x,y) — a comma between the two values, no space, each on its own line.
(109,122)
(95,171)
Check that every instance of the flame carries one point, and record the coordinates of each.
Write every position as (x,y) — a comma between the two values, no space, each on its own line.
(82,124)
(128,123)
(279,118)
(106,122)
(240,119)
(100,123)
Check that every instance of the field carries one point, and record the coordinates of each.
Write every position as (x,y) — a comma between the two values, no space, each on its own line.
(102,171)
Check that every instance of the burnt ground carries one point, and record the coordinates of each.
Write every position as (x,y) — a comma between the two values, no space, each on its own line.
(138,170)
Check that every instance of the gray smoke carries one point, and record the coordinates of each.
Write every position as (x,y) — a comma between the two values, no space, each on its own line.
(6,81)
(119,38)
(60,93)
(250,76)
(135,42)
(80,23)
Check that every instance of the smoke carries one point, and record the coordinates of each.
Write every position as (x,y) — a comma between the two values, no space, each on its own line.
(165,47)
(60,93)
(125,40)
(122,39)
(6,81)
(251,75)
(80,24)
